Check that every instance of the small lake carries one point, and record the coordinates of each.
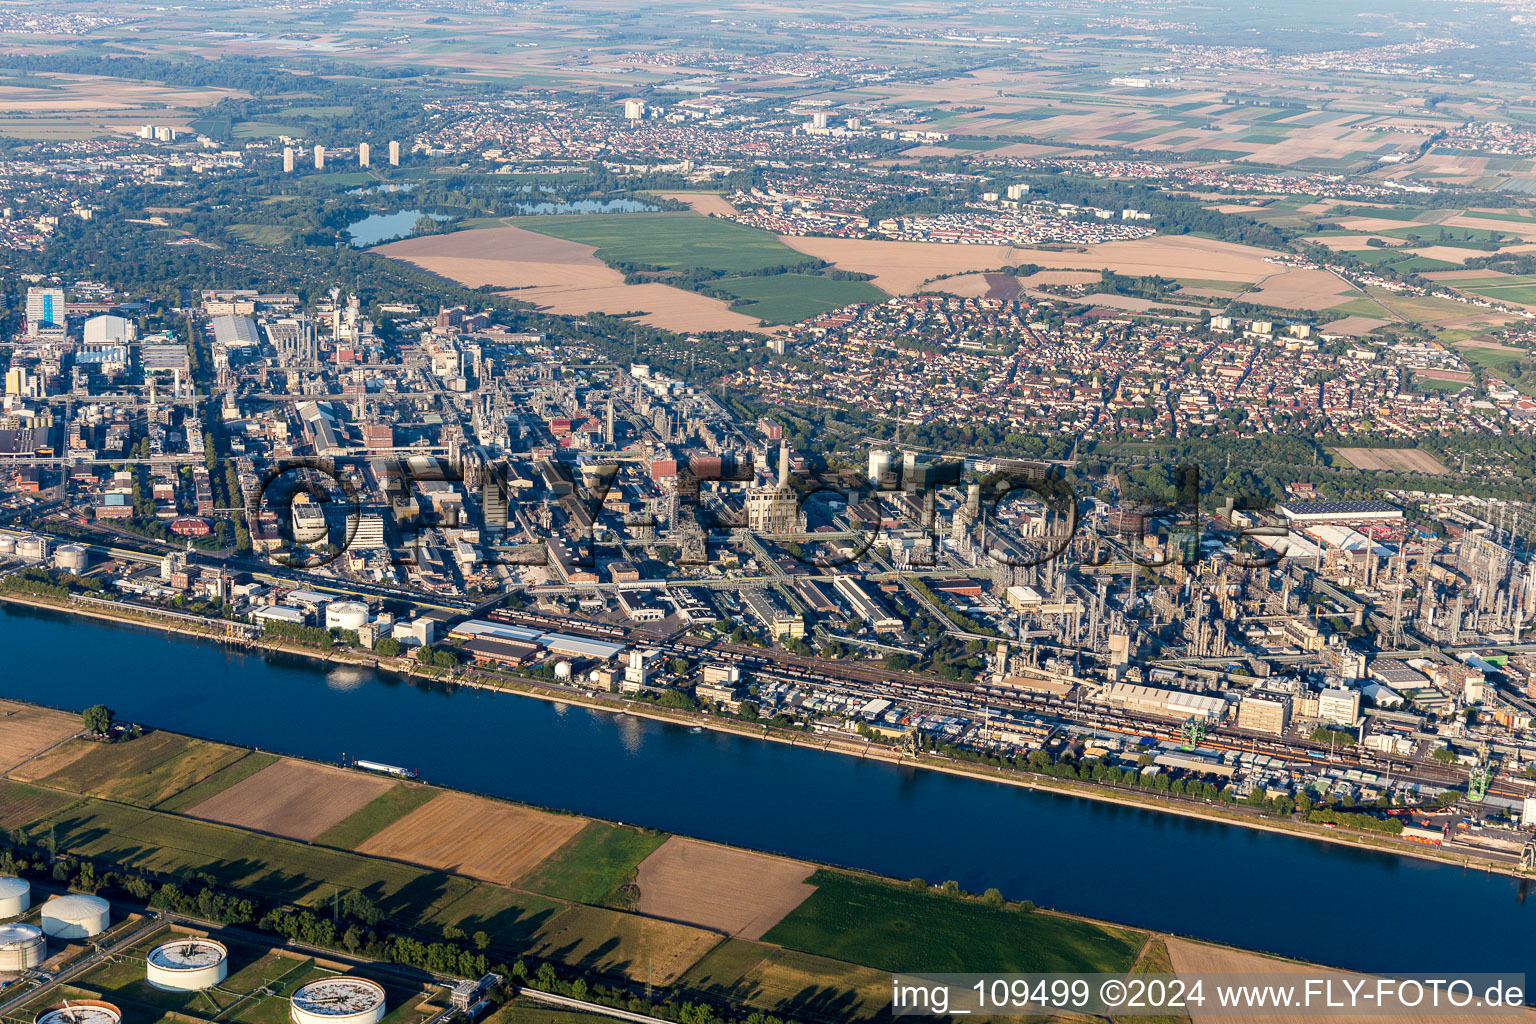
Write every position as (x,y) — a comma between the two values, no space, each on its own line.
(383,227)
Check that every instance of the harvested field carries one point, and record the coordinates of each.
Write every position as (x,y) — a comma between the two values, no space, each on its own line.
(1197,958)
(21,805)
(474,836)
(1354,326)
(905,267)
(560,277)
(1399,460)
(704,202)
(737,892)
(641,948)
(143,771)
(295,799)
(27,731)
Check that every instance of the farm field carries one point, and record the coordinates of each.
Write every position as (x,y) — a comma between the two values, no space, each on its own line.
(788,298)
(1497,360)
(295,799)
(26,731)
(640,948)
(786,981)
(219,781)
(901,268)
(21,805)
(672,241)
(269,868)
(1403,460)
(1189,958)
(896,928)
(142,771)
(737,892)
(367,821)
(474,836)
(510,917)
(1519,289)
(593,864)
(561,277)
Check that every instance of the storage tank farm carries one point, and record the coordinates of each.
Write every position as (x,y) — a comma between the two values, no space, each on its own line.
(22,946)
(338,1000)
(15,896)
(186,964)
(75,916)
(81,1011)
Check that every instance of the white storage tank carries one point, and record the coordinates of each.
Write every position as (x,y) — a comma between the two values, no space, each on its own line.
(186,965)
(346,615)
(15,896)
(21,946)
(81,1011)
(32,548)
(72,557)
(338,1000)
(562,670)
(7,544)
(76,916)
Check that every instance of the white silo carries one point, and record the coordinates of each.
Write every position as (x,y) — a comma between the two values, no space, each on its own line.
(32,548)
(81,1011)
(7,544)
(72,557)
(21,946)
(76,916)
(187,964)
(15,896)
(338,1000)
(346,615)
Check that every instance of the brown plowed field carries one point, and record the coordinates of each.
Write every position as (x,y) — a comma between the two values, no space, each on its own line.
(1401,460)
(473,836)
(737,892)
(1190,958)
(292,798)
(561,277)
(26,731)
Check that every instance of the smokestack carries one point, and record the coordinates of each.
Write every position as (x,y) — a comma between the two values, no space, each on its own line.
(783,463)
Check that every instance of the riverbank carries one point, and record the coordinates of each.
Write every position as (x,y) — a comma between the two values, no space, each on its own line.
(498,683)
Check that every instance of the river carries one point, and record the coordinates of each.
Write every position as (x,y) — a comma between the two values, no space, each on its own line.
(1297,897)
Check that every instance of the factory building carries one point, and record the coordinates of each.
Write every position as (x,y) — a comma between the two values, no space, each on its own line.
(1153,700)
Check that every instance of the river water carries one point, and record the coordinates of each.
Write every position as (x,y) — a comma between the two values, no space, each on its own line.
(1297,897)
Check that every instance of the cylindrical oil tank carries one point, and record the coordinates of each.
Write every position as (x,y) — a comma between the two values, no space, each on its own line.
(81,1011)
(21,946)
(15,896)
(76,916)
(7,544)
(32,548)
(346,615)
(187,964)
(338,1000)
(72,557)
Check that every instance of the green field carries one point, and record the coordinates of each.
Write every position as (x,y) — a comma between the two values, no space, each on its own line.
(672,241)
(788,298)
(893,927)
(262,234)
(385,809)
(272,869)
(1497,361)
(526,1011)
(788,982)
(593,864)
(511,918)
(221,780)
(21,804)
(144,771)
(1519,288)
